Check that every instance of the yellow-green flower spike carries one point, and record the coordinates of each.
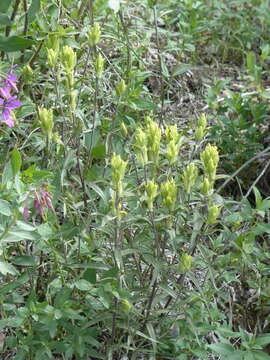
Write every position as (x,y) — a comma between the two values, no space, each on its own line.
(69,58)
(185,263)
(52,56)
(210,158)
(201,128)
(151,192)
(206,187)
(94,35)
(172,152)
(140,146)
(213,213)
(171,133)
(120,88)
(46,121)
(118,172)
(99,66)
(189,177)
(153,139)
(168,193)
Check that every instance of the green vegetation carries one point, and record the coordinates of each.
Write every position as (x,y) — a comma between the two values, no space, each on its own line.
(134,204)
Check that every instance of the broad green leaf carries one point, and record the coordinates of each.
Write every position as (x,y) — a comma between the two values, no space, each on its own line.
(114,5)
(16,161)
(4,5)
(5,208)
(15,43)
(98,152)
(14,284)
(222,348)
(263,339)
(24,260)
(15,236)
(7,173)
(83,285)
(4,20)
(90,275)
(33,10)
(6,268)
(260,355)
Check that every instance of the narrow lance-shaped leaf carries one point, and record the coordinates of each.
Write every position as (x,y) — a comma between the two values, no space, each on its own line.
(16,161)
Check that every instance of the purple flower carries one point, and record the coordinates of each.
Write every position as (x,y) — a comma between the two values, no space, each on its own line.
(7,101)
(42,200)
(25,213)
(9,83)
(7,106)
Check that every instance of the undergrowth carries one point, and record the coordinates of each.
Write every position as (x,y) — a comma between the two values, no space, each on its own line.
(134,209)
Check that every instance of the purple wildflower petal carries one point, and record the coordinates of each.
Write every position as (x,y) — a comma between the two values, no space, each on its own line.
(8,119)
(12,103)
(4,92)
(1,101)
(25,213)
(10,81)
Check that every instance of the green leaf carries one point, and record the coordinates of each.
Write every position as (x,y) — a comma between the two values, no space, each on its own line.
(4,20)
(16,161)
(6,268)
(260,355)
(15,43)
(4,5)
(222,348)
(5,208)
(98,152)
(83,285)
(24,260)
(33,10)
(258,198)
(263,340)
(14,284)
(114,5)
(90,275)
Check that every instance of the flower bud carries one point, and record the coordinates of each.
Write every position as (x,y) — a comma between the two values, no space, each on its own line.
(69,58)
(213,213)
(94,35)
(126,306)
(73,100)
(118,171)
(140,146)
(171,133)
(202,121)
(153,139)
(210,158)
(201,127)
(189,177)
(151,191)
(120,88)
(168,193)
(27,74)
(172,152)
(46,121)
(52,56)
(185,263)
(53,42)
(99,66)
(124,129)
(206,187)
